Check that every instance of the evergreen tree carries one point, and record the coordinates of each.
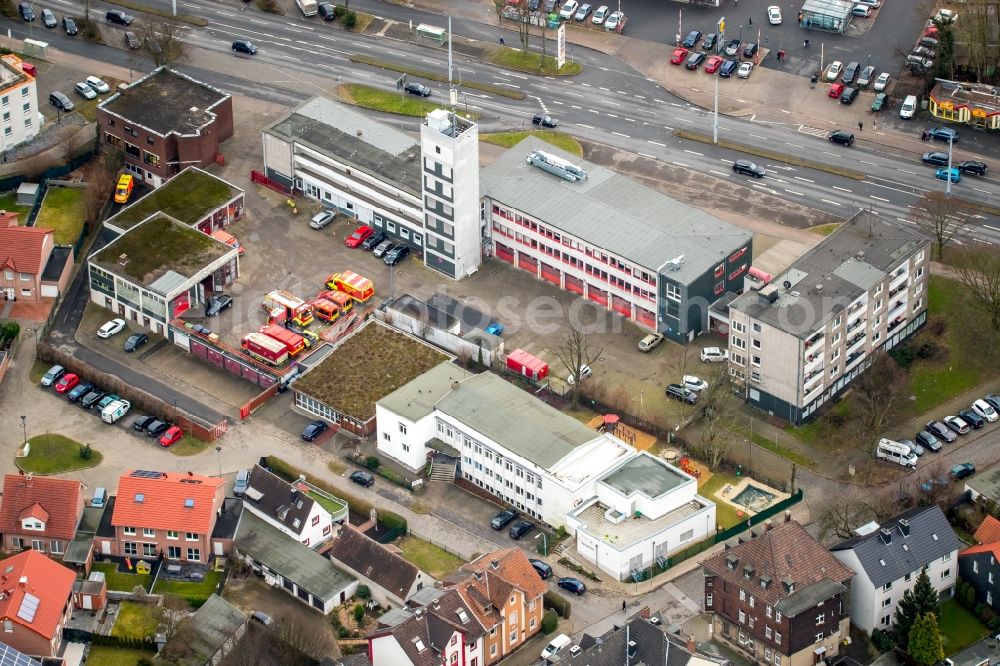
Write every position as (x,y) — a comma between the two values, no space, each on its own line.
(925,642)
(919,600)
(927,598)
(906,615)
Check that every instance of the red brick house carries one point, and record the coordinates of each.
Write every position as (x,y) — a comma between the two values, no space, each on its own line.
(164,513)
(780,597)
(164,122)
(31,266)
(40,513)
(35,602)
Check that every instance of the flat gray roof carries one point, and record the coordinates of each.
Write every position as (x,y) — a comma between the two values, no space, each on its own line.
(612,211)
(167,101)
(515,419)
(825,280)
(416,399)
(629,532)
(355,138)
(645,474)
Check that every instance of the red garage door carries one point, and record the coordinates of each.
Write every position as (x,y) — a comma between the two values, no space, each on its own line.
(621,306)
(528,263)
(505,253)
(550,273)
(646,318)
(574,284)
(598,295)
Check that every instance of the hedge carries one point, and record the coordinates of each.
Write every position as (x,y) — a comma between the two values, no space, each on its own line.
(558,604)
(126,642)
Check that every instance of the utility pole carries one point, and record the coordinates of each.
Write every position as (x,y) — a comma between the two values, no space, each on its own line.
(947,188)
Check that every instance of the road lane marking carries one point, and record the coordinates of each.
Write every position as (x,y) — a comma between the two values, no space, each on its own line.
(794,145)
(872,196)
(870,163)
(803,179)
(991,228)
(582,125)
(798,194)
(906,171)
(842,189)
(719,173)
(681,164)
(835,203)
(611,115)
(649,156)
(657,143)
(594,111)
(620,134)
(694,152)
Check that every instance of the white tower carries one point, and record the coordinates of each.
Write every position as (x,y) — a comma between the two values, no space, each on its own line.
(452,227)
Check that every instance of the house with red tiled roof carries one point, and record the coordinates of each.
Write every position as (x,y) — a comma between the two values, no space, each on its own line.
(32,267)
(40,513)
(988,530)
(165,513)
(980,567)
(439,634)
(35,602)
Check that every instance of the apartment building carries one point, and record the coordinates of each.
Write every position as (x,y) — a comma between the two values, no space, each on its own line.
(887,559)
(799,341)
(610,239)
(288,509)
(18,103)
(39,512)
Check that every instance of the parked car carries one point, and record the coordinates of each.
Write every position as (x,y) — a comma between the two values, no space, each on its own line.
(362,478)
(27,13)
(99,85)
(543,569)
(135,341)
(568,9)
(573,585)
(67,382)
(694,383)
(49,19)
(985,410)
(747,168)
(919,63)
(963,471)
(976,167)
(217,304)
(952,174)
(935,158)
(53,375)
(728,67)
(544,120)
(132,40)
(141,422)
(836,90)
(496,328)
(119,17)
(600,15)
(615,22)
(774,15)
(928,441)
(111,328)
(957,424)
(842,137)
(156,428)
(941,431)
(861,10)
(994,401)
(943,134)
(850,73)
(744,71)
(100,497)
(80,390)
(678,56)
(874,4)
(913,446)
(880,101)
(882,82)
(733,47)
(501,519)
(171,436)
(105,401)
(84,91)
(582,13)
(60,101)
(923,52)
(713,64)
(359,235)
(383,247)
(241,483)
(694,60)
(321,219)
(373,241)
(649,342)
(326,11)
(679,392)
(69,25)
(692,38)
(244,46)
(974,420)
(519,529)
(418,89)
(750,50)
(710,42)
(396,255)
(834,70)
(314,430)
(866,76)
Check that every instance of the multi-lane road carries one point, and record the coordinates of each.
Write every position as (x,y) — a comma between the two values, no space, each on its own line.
(608,103)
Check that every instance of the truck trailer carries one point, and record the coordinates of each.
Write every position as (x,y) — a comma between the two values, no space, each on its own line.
(293,342)
(264,348)
(293,307)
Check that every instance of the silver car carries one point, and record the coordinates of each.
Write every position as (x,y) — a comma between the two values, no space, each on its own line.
(320,220)
(84,91)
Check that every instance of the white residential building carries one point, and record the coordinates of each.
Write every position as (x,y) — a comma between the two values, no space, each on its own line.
(888,558)
(285,507)
(18,103)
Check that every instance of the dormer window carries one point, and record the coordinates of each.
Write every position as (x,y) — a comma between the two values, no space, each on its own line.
(748,572)
(765,581)
(419,644)
(732,561)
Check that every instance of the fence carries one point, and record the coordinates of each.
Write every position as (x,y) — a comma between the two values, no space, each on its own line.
(260,179)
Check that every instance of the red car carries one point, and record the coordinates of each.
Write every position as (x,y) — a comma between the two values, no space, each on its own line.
(359,236)
(171,436)
(835,90)
(67,383)
(679,54)
(713,64)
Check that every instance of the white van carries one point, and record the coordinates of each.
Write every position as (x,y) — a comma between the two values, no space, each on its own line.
(558,643)
(585,371)
(100,497)
(896,452)
(909,107)
(115,411)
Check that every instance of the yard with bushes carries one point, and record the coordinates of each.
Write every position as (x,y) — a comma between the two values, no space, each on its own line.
(135,620)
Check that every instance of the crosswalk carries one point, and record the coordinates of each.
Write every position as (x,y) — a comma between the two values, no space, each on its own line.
(814,131)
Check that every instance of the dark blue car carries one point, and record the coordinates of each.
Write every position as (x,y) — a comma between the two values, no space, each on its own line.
(314,430)
(572,585)
(974,420)
(79,391)
(691,39)
(728,68)
(943,134)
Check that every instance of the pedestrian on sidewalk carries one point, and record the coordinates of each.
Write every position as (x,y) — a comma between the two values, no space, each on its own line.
(874,125)
(861,126)
(800,18)
(501,41)
(751,20)
(623,605)
(805,43)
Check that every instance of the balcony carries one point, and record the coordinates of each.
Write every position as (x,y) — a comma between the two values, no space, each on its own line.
(898,278)
(817,338)
(854,325)
(856,306)
(853,342)
(853,359)
(898,308)
(895,323)
(813,359)
(893,292)
(811,376)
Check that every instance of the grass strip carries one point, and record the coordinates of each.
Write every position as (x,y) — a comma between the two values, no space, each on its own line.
(557,139)
(770,154)
(531,63)
(824,229)
(145,9)
(384,100)
(432,76)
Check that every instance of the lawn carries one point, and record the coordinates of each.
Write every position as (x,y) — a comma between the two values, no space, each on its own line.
(186,197)
(108,656)
(391,102)
(529,61)
(158,246)
(775,447)
(8,202)
(122,582)
(557,139)
(63,210)
(430,558)
(194,592)
(188,446)
(959,627)
(502,91)
(135,620)
(334,506)
(52,454)
(725,514)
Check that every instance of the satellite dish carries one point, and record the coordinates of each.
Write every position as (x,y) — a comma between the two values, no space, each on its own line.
(786,284)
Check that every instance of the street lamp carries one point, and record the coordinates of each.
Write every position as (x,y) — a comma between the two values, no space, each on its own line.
(741,33)
(218,450)
(24,429)
(545,543)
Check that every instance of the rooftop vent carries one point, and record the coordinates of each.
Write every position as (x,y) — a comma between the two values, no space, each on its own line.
(556,166)
(885,535)
(359,133)
(904,527)
(819,287)
(123,259)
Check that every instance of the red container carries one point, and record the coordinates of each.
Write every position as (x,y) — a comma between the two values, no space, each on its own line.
(28,68)
(527,365)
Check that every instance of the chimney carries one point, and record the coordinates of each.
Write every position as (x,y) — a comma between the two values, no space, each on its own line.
(190,474)
(495,564)
(904,527)
(885,535)
(27,480)
(123,259)
(768,525)
(692,645)
(359,133)
(644,612)
(788,516)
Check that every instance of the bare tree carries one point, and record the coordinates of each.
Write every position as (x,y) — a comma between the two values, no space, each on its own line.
(574,353)
(879,392)
(718,408)
(942,218)
(162,41)
(499,5)
(978,269)
(850,508)
(978,36)
(171,614)
(523,24)
(307,634)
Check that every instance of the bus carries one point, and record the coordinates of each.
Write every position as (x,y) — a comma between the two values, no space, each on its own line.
(356,286)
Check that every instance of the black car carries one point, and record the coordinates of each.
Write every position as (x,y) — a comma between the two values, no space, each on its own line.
(974,420)
(928,441)
(326,11)
(962,471)
(728,68)
(244,46)
(695,59)
(156,427)
(314,430)
(993,400)
(374,240)
(92,398)
(501,519)
(850,73)
(362,478)
(691,39)
(27,13)
(80,390)
(119,17)
(973,166)
(750,50)
(217,304)
(49,19)
(842,137)
(935,159)
(941,431)
(573,585)
(140,423)
(733,47)
(679,392)
(711,39)
(135,341)
(396,255)
(417,89)
(849,95)
(519,529)
(69,25)
(544,120)
(533,5)
(60,101)
(550,6)
(543,569)
(748,168)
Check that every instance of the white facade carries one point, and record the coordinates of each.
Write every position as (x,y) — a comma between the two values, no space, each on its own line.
(402,439)
(318,525)
(18,103)
(385,650)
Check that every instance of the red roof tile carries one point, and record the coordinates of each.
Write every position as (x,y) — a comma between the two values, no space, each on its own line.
(989,531)
(159,501)
(61,499)
(36,511)
(513,567)
(993,547)
(21,248)
(47,581)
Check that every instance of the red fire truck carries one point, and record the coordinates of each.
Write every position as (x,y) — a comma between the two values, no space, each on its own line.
(294,342)
(291,306)
(264,348)
(356,286)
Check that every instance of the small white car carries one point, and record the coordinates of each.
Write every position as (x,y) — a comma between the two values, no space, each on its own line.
(569,9)
(714,355)
(84,91)
(774,14)
(833,71)
(984,409)
(946,16)
(744,71)
(600,15)
(613,21)
(98,85)
(882,82)
(874,4)
(693,383)
(650,341)
(585,371)
(110,328)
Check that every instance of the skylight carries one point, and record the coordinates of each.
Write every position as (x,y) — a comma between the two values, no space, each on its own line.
(189,503)
(140,498)
(29,605)
(419,644)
